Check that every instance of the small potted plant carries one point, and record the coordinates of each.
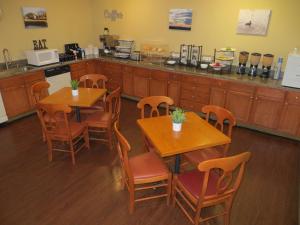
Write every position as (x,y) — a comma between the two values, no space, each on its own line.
(74,86)
(178,117)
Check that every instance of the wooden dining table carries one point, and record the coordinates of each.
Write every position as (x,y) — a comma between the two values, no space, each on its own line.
(86,98)
(196,134)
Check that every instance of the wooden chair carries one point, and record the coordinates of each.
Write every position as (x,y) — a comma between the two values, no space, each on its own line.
(39,90)
(102,122)
(142,172)
(94,81)
(154,102)
(61,134)
(213,183)
(221,116)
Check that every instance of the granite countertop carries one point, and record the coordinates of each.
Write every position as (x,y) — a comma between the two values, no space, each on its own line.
(257,81)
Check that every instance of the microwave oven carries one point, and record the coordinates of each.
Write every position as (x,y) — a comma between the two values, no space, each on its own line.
(42,57)
(291,77)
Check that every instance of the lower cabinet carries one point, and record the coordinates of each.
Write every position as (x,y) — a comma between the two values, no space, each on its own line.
(290,118)
(141,82)
(239,101)
(218,93)
(128,80)
(78,69)
(14,95)
(158,85)
(267,107)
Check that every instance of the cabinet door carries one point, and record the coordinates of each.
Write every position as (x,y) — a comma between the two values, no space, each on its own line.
(14,96)
(217,96)
(91,66)
(267,107)
(290,118)
(141,86)
(158,87)
(239,100)
(78,70)
(174,91)
(127,81)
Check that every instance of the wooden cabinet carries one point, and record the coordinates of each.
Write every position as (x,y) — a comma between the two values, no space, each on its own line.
(174,88)
(14,96)
(239,100)
(91,66)
(141,82)
(113,72)
(30,79)
(218,92)
(128,80)
(290,118)
(158,83)
(195,92)
(267,107)
(78,69)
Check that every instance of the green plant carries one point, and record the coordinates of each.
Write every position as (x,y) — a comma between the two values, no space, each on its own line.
(178,116)
(74,84)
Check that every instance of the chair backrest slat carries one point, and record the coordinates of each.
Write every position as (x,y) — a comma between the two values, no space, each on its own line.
(154,102)
(113,101)
(39,90)
(93,81)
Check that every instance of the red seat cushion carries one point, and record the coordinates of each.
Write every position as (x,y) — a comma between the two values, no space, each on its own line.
(202,155)
(192,181)
(147,165)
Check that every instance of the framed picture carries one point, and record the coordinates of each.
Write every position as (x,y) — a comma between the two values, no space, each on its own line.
(196,52)
(184,54)
(253,22)
(34,17)
(180,19)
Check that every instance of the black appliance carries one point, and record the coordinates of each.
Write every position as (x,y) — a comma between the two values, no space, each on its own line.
(73,49)
(63,57)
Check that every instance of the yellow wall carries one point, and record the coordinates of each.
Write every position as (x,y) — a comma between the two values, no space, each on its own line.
(68,21)
(214,23)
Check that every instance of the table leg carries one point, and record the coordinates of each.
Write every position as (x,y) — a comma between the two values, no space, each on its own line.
(177,164)
(77,112)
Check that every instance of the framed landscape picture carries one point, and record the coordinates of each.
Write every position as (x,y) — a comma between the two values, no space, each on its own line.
(253,22)
(34,17)
(180,19)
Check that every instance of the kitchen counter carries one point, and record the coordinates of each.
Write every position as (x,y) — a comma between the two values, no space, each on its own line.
(174,69)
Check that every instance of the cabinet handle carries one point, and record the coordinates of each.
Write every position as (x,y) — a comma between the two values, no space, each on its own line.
(251,97)
(297,97)
(286,103)
(224,92)
(256,98)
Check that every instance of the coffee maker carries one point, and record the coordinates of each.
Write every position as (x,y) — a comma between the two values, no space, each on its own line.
(254,61)
(73,49)
(243,59)
(267,62)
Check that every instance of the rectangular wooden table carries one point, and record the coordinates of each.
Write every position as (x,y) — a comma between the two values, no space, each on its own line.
(196,134)
(86,98)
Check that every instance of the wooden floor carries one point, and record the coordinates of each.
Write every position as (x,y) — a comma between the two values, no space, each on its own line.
(36,192)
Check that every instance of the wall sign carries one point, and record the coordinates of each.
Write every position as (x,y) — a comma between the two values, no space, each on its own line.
(34,17)
(113,15)
(253,22)
(39,44)
(180,19)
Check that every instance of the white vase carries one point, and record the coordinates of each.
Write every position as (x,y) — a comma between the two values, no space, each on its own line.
(177,127)
(75,92)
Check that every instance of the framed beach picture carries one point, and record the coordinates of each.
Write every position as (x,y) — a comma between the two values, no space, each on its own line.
(253,22)
(34,17)
(180,19)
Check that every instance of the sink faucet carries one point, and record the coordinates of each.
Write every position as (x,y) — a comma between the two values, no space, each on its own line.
(7,58)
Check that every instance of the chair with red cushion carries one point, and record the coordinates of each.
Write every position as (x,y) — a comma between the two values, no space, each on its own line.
(154,102)
(102,122)
(61,134)
(220,117)
(215,182)
(142,173)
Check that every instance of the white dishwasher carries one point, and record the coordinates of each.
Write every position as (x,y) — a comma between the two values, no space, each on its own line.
(58,77)
(3,116)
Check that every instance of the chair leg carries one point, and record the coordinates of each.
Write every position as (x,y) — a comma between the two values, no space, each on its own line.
(227,210)
(86,138)
(174,190)
(109,135)
(72,152)
(131,200)
(44,136)
(169,188)
(49,142)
